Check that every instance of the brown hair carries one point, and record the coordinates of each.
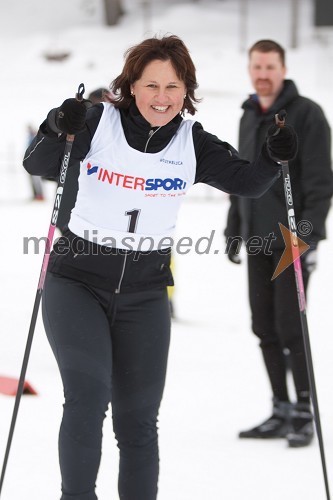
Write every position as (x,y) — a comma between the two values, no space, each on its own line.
(269,46)
(168,48)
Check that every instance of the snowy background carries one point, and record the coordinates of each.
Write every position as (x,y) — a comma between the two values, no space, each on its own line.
(216,383)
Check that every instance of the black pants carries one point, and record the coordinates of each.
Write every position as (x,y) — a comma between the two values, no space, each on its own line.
(276,321)
(108,348)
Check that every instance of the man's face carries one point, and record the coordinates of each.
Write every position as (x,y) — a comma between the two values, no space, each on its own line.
(267,73)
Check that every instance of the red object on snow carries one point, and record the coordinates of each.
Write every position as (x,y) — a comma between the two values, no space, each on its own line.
(9,386)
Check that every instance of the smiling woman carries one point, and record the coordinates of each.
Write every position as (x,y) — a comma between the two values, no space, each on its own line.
(159,99)
(161,76)
(105,304)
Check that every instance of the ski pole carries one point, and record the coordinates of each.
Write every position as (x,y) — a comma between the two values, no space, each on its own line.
(280,119)
(40,287)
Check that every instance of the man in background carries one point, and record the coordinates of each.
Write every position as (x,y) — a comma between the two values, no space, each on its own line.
(274,303)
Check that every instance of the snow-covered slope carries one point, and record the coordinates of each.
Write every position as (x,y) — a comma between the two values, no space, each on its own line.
(216,383)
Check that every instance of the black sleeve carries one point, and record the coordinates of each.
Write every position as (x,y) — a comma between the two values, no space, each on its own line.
(233,227)
(44,154)
(316,181)
(219,165)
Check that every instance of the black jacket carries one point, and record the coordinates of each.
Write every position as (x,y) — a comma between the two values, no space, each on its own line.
(218,165)
(310,171)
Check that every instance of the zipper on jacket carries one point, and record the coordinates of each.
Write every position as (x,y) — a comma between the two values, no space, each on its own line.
(122,275)
(117,291)
(150,135)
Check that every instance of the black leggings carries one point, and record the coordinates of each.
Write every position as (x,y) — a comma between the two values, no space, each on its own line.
(108,348)
(276,321)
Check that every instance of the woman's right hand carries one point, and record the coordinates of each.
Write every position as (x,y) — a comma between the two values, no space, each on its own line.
(70,117)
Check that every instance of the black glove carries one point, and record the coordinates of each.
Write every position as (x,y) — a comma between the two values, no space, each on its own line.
(282,143)
(233,252)
(70,117)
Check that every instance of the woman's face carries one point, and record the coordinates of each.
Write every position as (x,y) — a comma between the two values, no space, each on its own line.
(159,94)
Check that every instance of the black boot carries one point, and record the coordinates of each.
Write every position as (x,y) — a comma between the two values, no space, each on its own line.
(301,426)
(276,426)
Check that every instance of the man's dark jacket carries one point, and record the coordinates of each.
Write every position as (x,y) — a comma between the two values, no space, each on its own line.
(310,171)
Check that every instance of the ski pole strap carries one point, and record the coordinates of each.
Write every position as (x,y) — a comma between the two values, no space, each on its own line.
(280,118)
(80,92)
(78,97)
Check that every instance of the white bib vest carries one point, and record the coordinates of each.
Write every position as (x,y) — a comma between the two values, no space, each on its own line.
(128,199)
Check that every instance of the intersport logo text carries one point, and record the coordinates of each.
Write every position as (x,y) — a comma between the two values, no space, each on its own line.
(140,183)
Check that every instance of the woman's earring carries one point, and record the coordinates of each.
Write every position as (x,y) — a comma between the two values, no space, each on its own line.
(132,93)
(185,96)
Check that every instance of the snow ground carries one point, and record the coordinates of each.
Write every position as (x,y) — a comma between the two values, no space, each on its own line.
(216,383)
